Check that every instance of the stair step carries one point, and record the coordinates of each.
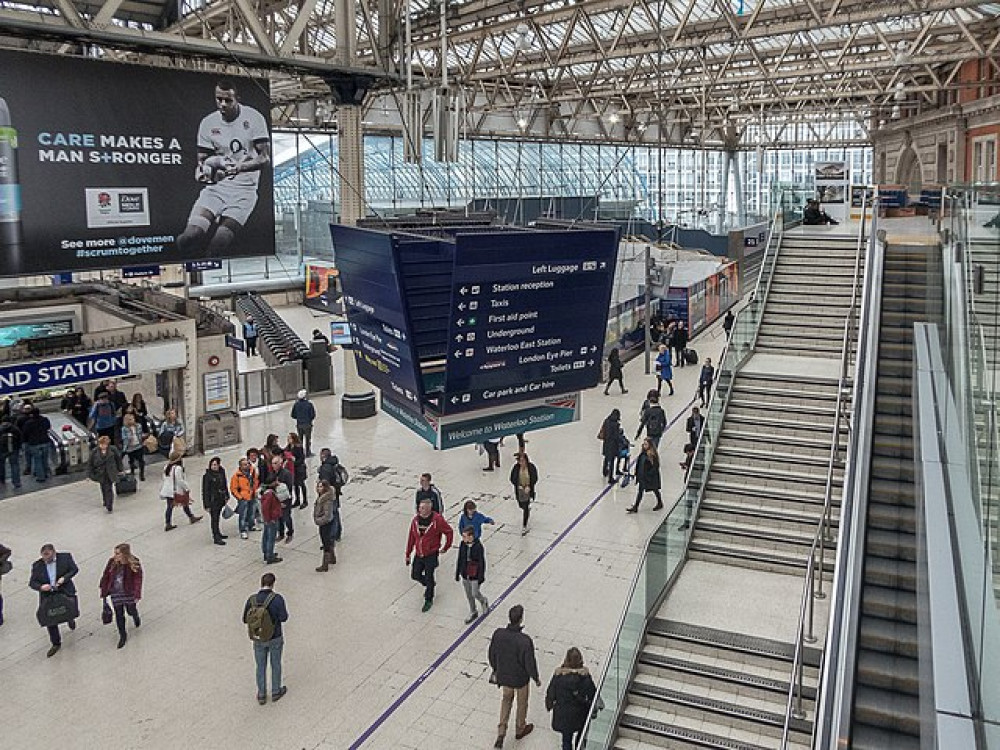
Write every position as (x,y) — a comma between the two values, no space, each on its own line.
(889,603)
(893,574)
(887,672)
(778,517)
(735,642)
(887,710)
(776,457)
(792,441)
(668,734)
(774,474)
(755,558)
(797,495)
(767,539)
(866,737)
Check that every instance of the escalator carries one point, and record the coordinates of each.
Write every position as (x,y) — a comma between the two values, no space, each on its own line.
(886,706)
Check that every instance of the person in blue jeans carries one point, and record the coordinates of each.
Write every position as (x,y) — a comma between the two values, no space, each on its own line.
(10,452)
(269,650)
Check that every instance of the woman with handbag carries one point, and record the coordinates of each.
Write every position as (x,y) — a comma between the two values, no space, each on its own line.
(569,695)
(122,581)
(647,476)
(325,517)
(174,490)
(524,477)
(214,496)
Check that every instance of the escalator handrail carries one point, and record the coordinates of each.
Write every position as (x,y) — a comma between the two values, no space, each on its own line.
(759,296)
(831,725)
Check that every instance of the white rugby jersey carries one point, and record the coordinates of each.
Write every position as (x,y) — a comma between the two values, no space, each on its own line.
(234,140)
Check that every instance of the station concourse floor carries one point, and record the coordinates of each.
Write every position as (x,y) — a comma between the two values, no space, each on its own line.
(363,666)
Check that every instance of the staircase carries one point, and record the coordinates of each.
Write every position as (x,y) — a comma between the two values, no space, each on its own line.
(767,483)
(704,687)
(809,297)
(886,710)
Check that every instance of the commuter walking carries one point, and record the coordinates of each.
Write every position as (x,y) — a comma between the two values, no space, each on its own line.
(664,371)
(512,659)
(52,577)
(271,510)
(647,476)
(472,519)
(524,477)
(727,323)
(679,342)
(5,568)
(428,491)
(10,452)
(492,448)
(35,433)
(616,371)
(170,430)
(304,414)
(122,582)
(653,419)
(694,425)
(243,486)
(105,468)
(705,379)
(250,333)
(141,412)
(102,416)
(569,696)
(132,445)
(299,471)
(174,490)
(325,516)
(424,544)
(214,496)
(77,404)
(263,614)
(610,436)
(471,571)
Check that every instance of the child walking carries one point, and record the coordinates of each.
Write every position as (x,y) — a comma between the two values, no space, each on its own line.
(471,570)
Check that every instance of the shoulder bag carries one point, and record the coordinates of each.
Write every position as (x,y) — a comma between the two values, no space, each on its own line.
(180,498)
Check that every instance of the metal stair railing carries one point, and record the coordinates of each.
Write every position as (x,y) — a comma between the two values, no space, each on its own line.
(666,547)
(813,585)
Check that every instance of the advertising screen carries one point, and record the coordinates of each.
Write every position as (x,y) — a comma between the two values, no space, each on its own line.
(104,165)
(322,290)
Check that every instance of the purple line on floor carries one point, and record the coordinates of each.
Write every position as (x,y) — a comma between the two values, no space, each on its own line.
(412,688)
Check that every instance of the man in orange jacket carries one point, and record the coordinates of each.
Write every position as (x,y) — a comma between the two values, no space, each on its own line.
(270,510)
(243,485)
(426,531)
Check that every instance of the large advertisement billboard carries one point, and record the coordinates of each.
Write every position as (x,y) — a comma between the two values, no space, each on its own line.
(105,165)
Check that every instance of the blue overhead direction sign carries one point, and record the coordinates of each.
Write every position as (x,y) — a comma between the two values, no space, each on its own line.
(529,315)
(53,373)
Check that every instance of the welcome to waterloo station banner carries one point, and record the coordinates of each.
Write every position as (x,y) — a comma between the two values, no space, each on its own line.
(100,166)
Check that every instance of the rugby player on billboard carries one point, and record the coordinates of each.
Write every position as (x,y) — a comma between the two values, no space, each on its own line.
(233,147)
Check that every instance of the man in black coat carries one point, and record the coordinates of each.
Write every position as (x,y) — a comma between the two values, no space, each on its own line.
(54,571)
(679,342)
(512,658)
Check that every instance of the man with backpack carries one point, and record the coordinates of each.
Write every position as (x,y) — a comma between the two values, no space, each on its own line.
(263,614)
(10,452)
(103,417)
(654,419)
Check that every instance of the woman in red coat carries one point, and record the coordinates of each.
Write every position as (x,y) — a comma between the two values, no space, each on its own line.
(122,581)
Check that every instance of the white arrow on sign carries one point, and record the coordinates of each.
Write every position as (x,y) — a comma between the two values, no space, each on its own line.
(458,354)
(590,362)
(460,322)
(454,399)
(461,305)
(463,291)
(460,337)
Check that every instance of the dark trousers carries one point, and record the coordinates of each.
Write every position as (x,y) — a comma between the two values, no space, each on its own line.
(285,525)
(525,511)
(300,491)
(137,458)
(108,432)
(170,510)
(54,638)
(608,469)
(1,609)
(704,391)
(492,453)
(107,493)
(423,573)
(305,433)
(621,383)
(567,739)
(14,460)
(215,513)
(251,346)
(120,610)
(641,492)
(679,356)
(659,384)
(327,535)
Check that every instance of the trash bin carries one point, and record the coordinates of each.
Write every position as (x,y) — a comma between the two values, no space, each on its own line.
(230,426)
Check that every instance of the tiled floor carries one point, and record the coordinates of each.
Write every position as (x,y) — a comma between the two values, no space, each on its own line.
(356,640)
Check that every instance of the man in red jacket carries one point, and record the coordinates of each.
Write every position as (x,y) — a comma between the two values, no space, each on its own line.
(426,531)
(270,510)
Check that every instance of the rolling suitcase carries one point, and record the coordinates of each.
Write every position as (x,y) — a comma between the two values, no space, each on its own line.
(691,356)
(126,484)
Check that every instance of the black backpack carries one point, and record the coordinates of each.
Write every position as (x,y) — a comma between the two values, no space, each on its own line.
(656,421)
(6,441)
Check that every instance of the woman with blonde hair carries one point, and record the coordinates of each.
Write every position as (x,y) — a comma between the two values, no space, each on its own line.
(105,467)
(132,445)
(174,490)
(122,582)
